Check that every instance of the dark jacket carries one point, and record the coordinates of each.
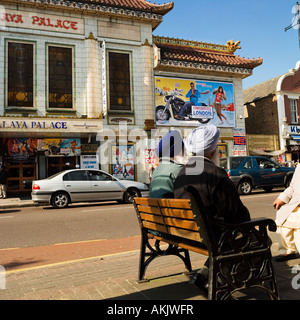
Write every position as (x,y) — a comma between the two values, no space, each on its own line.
(216,190)
(3,176)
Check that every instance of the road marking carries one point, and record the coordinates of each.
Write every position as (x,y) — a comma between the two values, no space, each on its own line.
(6,217)
(262,196)
(60,244)
(69,261)
(9,249)
(78,242)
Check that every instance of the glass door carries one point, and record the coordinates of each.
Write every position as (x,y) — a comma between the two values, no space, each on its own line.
(19,177)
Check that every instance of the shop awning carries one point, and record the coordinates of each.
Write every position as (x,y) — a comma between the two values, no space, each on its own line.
(265,153)
(296,137)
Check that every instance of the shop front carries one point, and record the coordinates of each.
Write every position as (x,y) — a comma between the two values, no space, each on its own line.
(293,144)
(36,149)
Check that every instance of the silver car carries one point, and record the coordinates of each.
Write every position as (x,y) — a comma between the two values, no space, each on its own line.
(78,185)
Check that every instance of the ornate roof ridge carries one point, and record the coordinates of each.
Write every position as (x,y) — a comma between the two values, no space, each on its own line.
(229,48)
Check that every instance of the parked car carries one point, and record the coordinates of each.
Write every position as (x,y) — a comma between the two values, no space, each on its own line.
(78,185)
(256,172)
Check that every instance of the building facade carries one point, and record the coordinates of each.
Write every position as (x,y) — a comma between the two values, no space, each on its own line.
(84,82)
(272,116)
(208,67)
(69,69)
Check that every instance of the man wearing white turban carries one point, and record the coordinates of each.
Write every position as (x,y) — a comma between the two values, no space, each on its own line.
(215,190)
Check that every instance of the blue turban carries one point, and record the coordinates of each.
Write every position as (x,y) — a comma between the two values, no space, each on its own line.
(170,145)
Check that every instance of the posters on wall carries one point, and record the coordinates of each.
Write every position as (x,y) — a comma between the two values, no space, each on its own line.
(180,102)
(20,149)
(62,147)
(239,142)
(122,162)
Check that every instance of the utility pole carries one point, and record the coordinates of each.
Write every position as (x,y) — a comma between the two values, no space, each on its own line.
(296,22)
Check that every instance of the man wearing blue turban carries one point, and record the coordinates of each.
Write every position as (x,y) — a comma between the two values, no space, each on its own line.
(162,183)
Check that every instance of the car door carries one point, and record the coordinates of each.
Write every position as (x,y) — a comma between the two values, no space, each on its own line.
(247,168)
(270,175)
(104,186)
(78,185)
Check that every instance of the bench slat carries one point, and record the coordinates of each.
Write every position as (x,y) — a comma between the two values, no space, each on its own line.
(152,218)
(174,203)
(177,223)
(149,209)
(169,203)
(181,244)
(155,226)
(177,213)
(146,201)
(180,223)
(195,236)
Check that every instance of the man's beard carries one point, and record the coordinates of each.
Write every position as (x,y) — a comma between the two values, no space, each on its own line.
(215,157)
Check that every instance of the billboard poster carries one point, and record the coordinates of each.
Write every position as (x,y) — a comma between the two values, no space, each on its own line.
(183,102)
(62,147)
(122,162)
(21,149)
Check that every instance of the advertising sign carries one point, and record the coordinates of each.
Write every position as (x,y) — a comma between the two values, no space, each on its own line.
(62,147)
(182,102)
(122,162)
(239,142)
(21,149)
(89,162)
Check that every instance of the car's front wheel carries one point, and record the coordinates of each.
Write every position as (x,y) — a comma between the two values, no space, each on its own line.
(130,194)
(60,200)
(245,187)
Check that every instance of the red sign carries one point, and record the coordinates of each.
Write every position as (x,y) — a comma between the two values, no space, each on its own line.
(239,141)
(150,157)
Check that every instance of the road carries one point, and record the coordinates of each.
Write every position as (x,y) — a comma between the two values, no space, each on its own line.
(43,235)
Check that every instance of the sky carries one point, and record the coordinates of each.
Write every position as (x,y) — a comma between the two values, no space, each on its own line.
(258,24)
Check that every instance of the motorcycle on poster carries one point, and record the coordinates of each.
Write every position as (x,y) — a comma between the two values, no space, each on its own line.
(186,102)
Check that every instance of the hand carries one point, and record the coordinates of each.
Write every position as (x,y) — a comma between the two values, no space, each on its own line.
(278,203)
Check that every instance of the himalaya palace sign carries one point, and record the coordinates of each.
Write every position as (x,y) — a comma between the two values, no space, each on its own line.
(40,21)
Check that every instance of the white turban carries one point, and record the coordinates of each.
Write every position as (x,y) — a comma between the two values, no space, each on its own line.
(202,140)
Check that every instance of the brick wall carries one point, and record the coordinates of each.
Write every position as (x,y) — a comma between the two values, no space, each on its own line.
(262,116)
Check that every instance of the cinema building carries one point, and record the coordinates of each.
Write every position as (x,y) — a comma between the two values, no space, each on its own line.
(70,69)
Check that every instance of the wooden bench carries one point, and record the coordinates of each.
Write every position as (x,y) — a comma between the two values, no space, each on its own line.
(239,255)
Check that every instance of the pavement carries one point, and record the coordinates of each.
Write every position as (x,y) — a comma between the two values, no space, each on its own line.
(112,276)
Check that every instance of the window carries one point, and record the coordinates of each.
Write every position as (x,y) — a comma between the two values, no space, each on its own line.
(294,113)
(119,82)
(248,164)
(60,76)
(99,176)
(236,161)
(76,176)
(20,70)
(265,163)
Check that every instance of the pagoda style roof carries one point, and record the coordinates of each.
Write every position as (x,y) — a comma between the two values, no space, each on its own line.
(142,5)
(186,53)
(133,9)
